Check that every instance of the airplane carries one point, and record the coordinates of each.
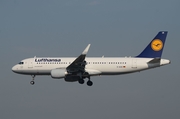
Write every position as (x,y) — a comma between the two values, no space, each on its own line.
(73,69)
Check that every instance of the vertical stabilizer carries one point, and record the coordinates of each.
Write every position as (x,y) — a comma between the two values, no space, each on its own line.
(155,47)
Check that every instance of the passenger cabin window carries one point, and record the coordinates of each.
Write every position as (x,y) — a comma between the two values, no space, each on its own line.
(21,63)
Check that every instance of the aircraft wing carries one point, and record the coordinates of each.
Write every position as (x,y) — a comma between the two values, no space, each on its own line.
(78,65)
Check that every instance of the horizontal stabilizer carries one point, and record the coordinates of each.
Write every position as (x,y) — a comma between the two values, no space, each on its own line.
(155,60)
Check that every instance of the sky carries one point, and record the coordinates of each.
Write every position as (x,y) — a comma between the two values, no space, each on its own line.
(64,28)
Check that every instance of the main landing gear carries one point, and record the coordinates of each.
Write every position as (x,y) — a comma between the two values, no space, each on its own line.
(32,82)
(81,81)
(89,82)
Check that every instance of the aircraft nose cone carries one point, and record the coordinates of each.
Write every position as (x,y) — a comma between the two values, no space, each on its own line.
(14,69)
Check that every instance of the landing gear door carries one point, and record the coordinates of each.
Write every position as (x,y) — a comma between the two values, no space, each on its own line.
(134,63)
(30,64)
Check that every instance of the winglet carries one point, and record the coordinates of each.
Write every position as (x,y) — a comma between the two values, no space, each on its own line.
(86,50)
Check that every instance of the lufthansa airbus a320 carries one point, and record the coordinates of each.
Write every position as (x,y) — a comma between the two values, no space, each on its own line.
(76,69)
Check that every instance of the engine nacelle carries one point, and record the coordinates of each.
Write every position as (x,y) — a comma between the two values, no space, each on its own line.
(58,73)
(71,78)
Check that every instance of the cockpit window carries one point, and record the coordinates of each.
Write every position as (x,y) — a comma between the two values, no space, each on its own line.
(21,62)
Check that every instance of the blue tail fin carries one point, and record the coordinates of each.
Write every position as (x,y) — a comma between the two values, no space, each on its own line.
(155,47)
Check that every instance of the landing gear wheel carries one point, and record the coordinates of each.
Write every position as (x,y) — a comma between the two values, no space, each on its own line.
(81,81)
(89,83)
(32,82)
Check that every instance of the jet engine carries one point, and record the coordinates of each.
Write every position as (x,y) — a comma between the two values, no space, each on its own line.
(71,78)
(58,73)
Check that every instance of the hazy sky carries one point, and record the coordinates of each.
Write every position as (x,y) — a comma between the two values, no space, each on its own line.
(31,28)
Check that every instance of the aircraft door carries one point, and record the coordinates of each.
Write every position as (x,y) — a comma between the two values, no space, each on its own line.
(30,64)
(134,63)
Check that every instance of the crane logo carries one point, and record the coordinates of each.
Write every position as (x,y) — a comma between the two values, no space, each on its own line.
(156,44)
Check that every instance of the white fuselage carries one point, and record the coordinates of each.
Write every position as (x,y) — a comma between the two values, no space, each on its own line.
(94,66)
(81,67)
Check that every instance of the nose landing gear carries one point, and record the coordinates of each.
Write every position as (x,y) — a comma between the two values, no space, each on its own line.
(32,82)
